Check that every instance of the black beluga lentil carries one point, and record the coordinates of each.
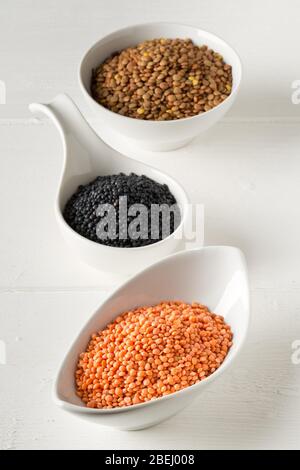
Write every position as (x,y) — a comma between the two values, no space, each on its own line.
(82,209)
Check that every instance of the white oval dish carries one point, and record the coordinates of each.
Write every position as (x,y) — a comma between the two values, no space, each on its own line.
(155,135)
(86,156)
(215,276)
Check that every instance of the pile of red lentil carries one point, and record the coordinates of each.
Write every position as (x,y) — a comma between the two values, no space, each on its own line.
(150,352)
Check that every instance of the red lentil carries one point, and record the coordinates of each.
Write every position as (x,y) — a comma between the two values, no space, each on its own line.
(150,352)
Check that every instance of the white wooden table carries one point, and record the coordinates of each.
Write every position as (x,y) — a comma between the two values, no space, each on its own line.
(246,171)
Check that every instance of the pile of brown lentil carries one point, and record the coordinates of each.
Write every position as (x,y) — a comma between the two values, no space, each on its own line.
(162,79)
(151,352)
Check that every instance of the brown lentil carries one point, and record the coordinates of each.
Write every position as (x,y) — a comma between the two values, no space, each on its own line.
(150,352)
(162,79)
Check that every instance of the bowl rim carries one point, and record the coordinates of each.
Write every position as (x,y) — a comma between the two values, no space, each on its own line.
(225,364)
(153,121)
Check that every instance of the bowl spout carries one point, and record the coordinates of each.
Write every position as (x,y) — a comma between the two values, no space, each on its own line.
(83,150)
(80,143)
(64,113)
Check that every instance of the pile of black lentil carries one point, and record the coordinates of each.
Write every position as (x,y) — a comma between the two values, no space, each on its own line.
(81,211)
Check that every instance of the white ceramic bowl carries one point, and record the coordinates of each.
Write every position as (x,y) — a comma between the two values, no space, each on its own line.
(85,157)
(214,276)
(156,135)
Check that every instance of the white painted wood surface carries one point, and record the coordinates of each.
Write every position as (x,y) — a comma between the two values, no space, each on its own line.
(246,171)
